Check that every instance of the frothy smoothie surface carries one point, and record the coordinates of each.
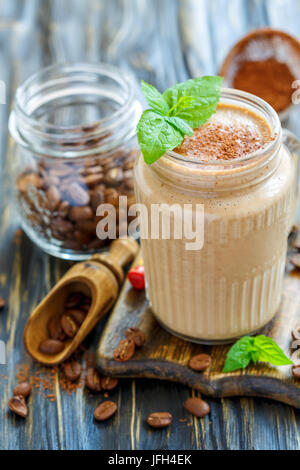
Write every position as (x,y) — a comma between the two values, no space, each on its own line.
(232,132)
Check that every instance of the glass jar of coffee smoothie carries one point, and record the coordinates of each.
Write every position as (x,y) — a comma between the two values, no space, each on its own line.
(75,133)
(243,176)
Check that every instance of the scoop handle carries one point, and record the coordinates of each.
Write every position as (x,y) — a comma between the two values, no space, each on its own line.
(121,252)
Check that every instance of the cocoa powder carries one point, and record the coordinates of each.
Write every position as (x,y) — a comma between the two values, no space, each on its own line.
(269,79)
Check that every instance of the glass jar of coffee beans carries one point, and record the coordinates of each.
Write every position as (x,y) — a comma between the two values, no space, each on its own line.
(74,128)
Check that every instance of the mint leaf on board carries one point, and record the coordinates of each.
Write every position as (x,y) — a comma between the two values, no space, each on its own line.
(154,98)
(258,348)
(269,351)
(156,135)
(176,113)
(239,355)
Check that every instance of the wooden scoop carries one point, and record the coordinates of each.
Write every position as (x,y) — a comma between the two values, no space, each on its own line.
(99,278)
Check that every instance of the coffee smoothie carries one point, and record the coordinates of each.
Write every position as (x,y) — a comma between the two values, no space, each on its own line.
(235,166)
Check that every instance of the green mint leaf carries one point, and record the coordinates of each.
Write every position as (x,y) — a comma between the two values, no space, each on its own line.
(195,100)
(239,355)
(181,125)
(269,351)
(258,348)
(154,98)
(156,135)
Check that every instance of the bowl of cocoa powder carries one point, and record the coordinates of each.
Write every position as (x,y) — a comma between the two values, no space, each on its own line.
(265,63)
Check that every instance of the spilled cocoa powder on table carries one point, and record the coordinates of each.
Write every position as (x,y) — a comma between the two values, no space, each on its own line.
(269,79)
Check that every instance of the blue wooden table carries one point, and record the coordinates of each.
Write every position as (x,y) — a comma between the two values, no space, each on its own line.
(163,42)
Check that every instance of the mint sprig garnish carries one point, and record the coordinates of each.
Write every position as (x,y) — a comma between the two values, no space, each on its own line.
(175,113)
(258,348)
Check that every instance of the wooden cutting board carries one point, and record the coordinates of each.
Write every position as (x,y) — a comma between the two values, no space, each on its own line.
(166,357)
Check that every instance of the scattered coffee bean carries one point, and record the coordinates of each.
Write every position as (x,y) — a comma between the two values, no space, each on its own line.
(77,315)
(51,346)
(2,303)
(200,362)
(136,335)
(160,419)
(54,198)
(295,260)
(72,370)
(68,325)
(105,410)
(76,194)
(109,383)
(79,213)
(22,389)
(18,406)
(296,332)
(92,380)
(197,407)
(125,350)
(296,371)
(55,330)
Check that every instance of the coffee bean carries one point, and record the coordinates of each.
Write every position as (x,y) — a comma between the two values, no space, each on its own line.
(72,370)
(105,411)
(111,196)
(31,179)
(87,305)
(81,237)
(79,213)
(97,197)
(295,260)
(296,371)
(92,380)
(53,196)
(200,362)
(87,226)
(63,209)
(197,407)
(55,330)
(93,170)
(125,350)
(22,389)
(74,299)
(93,180)
(2,303)
(160,419)
(295,357)
(136,335)
(76,195)
(296,332)
(18,406)
(68,325)
(77,315)
(109,383)
(51,346)
(114,176)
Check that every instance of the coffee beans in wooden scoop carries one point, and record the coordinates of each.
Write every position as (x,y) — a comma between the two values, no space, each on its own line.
(18,406)
(197,407)
(200,362)
(92,380)
(160,419)
(105,411)
(22,389)
(51,346)
(125,350)
(68,325)
(136,335)
(55,329)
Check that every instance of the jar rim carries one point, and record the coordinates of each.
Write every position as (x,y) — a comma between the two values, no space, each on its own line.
(239,96)
(47,134)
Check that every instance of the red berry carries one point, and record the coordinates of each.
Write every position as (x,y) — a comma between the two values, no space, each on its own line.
(136,277)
